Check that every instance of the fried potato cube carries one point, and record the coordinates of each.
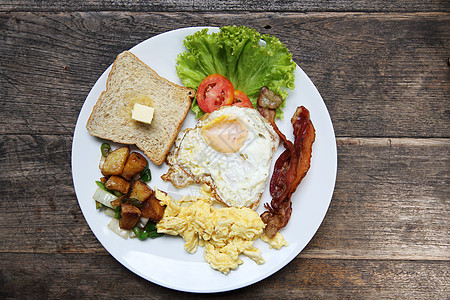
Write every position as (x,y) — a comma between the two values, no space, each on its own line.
(115,161)
(116,183)
(136,162)
(140,191)
(117,202)
(152,209)
(129,216)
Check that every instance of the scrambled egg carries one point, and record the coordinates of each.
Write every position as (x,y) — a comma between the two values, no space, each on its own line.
(276,242)
(225,232)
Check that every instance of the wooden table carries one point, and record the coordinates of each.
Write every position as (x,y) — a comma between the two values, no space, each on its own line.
(383,71)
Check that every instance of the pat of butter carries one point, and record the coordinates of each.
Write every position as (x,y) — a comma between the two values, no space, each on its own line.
(142,113)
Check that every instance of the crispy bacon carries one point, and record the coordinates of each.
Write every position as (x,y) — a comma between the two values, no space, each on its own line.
(305,135)
(290,168)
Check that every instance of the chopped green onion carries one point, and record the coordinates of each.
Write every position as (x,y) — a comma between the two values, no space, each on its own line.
(151,230)
(114,225)
(136,231)
(104,197)
(154,234)
(109,212)
(136,202)
(117,193)
(146,175)
(142,222)
(98,205)
(150,227)
(105,148)
(118,209)
(143,235)
(103,187)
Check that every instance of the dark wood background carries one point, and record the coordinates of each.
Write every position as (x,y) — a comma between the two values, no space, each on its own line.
(383,71)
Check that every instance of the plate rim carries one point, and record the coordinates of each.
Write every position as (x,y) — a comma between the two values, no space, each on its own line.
(275,268)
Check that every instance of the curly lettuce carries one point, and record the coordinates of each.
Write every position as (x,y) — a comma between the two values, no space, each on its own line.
(247,58)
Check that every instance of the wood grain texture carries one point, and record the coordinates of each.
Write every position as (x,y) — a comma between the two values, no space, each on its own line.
(390,200)
(383,71)
(100,276)
(380,75)
(222,5)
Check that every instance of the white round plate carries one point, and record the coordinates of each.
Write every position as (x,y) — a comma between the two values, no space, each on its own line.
(163,260)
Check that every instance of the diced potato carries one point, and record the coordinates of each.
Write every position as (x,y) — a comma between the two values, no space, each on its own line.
(117,202)
(140,191)
(115,161)
(136,162)
(152,209)
(116,183)
(129,216)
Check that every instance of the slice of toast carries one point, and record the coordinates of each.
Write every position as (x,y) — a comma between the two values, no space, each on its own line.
(132,81)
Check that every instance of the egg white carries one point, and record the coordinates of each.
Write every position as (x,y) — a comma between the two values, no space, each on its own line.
(238,179)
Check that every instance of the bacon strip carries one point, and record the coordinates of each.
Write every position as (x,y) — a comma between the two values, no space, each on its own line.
(290,168)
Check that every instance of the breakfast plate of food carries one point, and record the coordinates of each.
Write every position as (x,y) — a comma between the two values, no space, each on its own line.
(204,159)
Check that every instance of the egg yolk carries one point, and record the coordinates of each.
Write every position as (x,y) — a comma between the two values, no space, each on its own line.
(225,134)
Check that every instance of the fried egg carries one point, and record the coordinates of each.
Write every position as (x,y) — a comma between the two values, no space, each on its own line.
(230,150)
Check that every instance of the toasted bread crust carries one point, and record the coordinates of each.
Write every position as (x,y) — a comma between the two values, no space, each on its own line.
(132,81)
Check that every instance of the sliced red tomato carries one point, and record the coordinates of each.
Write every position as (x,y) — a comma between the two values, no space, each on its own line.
(214,91)
(241,99)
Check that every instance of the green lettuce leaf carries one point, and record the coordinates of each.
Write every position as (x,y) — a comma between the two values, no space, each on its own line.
(247,58)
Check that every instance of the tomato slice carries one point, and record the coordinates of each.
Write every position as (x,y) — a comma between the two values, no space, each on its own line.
(214,91)
(241,99)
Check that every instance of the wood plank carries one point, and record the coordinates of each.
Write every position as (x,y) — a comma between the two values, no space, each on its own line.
(390,200)
(231,5)
(92,276)
(39,202)
(381,75)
